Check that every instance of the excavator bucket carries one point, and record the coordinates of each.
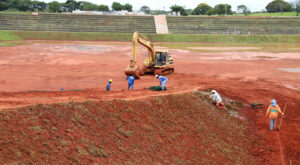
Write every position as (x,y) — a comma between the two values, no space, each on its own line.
(130,71)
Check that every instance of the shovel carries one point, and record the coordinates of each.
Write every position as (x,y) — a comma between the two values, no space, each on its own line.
(278,129)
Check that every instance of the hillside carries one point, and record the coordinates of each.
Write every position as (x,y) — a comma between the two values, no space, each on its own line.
(256,25)
(177,129)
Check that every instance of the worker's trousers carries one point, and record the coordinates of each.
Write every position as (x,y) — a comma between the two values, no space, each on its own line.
(163,84)
(272,124)
(130,85)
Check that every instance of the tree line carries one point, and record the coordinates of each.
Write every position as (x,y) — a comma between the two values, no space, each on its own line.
(223,9)
(55,6)
(201,9)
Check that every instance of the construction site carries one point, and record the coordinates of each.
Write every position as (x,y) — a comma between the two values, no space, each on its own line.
(54,108)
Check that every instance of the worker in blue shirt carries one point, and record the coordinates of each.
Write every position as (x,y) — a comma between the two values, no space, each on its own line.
(163,80)
(130,82)
(108,85)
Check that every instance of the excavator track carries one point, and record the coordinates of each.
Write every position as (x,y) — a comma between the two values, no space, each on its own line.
(164,71)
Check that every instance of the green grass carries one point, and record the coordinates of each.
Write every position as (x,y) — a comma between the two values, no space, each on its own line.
(252,47)
(8,35)
(11,43)
(8,38)
(207,38)
(262,43)
(220,38)
(275,14)
(16,12)
(72,36)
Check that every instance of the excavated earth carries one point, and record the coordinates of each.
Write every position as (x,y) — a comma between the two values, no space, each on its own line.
(157,127)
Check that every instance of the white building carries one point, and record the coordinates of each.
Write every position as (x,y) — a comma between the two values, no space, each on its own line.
(123,12)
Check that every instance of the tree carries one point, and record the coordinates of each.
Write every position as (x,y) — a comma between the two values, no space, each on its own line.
(177,9)
(127,7)
(87,6)
(117,6)
(211,12)
(54,6)
(278,6)
(3,6)
(13,4)
(159,12)
(40,6)
(297,6)
(188,11)
(72,5)
(145,9)
(103,8)
(201,9)
(222,9)
(24,5)
(243,9)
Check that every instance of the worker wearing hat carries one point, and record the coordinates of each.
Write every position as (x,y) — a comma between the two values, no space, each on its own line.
(216,99)
(272,113)
(163,80)
(108,85)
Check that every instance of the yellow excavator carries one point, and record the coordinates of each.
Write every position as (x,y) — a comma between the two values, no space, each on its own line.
(158,62)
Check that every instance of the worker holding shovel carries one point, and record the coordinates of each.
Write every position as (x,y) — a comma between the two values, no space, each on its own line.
(272,113)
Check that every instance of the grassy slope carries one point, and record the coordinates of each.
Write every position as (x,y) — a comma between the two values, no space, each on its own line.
(275,14)
(267,43)
(173,129)
(7,35)
(247,47)
(93,36)
(8,38)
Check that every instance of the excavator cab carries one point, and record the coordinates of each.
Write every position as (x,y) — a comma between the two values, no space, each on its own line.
(162,58)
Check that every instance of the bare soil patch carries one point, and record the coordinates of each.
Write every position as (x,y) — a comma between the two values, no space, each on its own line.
(224,48)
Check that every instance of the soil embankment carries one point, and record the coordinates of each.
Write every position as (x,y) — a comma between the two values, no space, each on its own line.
(172,129)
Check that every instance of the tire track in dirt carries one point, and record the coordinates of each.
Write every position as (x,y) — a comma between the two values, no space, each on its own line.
(282,157)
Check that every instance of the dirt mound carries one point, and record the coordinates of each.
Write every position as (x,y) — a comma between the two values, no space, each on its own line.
(177,129)
(279,147)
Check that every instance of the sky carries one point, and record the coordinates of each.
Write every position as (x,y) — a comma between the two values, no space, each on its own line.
(254,5)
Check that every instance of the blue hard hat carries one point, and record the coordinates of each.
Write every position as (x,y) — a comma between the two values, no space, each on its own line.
(273,102)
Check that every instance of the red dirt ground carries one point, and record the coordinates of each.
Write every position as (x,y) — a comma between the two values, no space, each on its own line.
(172,129)
(246,76)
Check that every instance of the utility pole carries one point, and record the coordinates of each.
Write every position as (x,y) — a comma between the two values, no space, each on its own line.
(225,9)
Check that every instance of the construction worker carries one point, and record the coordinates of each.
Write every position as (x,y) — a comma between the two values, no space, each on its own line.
(163,80)
(272,113)
(216,99)
(108,85)
(130,82)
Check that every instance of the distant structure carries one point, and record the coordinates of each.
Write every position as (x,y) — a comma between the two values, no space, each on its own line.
(175,13)
(161,24)
(123,12)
